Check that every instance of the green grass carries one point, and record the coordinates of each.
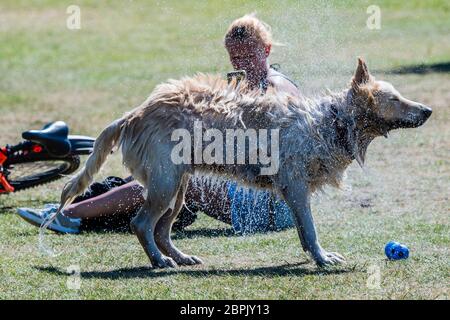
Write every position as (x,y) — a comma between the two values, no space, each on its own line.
(91,76)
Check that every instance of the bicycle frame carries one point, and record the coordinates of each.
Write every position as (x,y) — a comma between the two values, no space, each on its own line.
(3,182)
(5,154)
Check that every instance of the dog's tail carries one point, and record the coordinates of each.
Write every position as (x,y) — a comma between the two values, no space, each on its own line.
(103,146)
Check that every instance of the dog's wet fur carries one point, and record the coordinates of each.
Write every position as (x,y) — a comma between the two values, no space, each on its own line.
(318,139)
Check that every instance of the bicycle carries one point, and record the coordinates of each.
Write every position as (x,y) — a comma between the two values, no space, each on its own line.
(45,155)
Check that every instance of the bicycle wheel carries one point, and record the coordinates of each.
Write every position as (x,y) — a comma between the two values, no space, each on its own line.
(29,172)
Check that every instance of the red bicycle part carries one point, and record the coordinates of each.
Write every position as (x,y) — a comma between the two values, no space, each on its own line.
(3,157)
(37,148)
(3,182)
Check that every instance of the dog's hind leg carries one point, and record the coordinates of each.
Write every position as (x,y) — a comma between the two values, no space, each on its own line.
(161,195)
(143,226)
(297,197)
(164,226)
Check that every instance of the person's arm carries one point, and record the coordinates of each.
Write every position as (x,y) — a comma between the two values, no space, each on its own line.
(284,85)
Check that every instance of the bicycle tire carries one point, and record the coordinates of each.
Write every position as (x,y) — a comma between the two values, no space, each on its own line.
(21,181)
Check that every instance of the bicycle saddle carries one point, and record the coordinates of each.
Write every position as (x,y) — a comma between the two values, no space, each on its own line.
(54,137)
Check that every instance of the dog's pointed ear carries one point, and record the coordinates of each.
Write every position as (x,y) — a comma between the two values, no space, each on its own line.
(362,74)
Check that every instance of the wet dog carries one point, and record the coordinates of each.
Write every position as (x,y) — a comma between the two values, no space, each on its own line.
(318,139)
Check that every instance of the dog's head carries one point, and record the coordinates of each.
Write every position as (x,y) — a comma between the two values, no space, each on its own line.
(380,107)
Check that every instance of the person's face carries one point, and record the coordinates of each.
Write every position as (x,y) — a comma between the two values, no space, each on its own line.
(248,56)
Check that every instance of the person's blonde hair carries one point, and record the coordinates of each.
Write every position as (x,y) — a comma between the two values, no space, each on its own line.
(248,28)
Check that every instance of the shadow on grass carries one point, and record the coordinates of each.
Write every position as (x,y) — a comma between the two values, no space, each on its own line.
(6,208)
(443,67)
(204,233)
(184,234)
(187,233)
(285,270)
(12,209)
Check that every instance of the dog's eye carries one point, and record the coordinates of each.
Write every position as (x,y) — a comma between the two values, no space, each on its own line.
(394,99)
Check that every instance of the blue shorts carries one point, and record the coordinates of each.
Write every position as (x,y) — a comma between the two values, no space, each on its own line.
(257,211)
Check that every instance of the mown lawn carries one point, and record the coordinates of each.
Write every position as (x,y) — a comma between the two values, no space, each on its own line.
(91,76)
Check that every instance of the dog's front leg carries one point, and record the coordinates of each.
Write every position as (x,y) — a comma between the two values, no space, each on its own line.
(298,198)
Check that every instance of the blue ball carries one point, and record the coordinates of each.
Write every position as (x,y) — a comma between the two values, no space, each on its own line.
(396,251)
(387,248)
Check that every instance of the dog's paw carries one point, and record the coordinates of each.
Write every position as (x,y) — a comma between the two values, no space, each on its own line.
(329,258)
(186,260)
(196,260)
(164,262)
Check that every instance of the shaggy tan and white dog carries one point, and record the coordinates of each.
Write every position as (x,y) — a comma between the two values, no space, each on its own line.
(318,139)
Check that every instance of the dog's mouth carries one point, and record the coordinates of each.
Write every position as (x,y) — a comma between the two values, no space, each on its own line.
(412,120)
(408,123)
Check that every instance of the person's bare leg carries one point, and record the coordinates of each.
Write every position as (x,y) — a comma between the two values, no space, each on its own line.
(128,198)
(123,199)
